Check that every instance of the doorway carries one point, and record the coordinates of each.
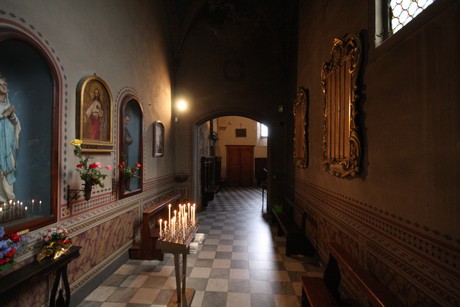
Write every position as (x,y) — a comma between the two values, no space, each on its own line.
(240,143)
(240,165)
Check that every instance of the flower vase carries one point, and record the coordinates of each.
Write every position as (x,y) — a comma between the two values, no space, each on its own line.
(127,184)
(87,191)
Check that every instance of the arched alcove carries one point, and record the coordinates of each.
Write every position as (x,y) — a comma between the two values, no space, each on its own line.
(131,146)
(30,108)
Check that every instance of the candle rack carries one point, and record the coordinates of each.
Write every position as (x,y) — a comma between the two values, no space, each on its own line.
(179,245)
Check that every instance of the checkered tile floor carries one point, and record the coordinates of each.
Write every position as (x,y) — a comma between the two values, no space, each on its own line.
(240,263)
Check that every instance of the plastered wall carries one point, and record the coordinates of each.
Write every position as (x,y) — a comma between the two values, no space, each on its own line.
(125,44)
(400,216)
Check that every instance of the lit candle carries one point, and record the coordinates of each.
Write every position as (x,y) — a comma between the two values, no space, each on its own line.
(183,232)
(161,232)
(193,214)
(188,210)
(174,226)
(169,214)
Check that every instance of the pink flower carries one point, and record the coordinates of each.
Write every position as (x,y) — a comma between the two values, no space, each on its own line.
(138,165)
(98,164)
(109,167)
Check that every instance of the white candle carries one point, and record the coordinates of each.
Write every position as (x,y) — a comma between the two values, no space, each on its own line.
(183,231)
(161,232)
(169,207)
(193,213)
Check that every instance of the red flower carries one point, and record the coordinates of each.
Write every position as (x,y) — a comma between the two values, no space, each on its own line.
(79,165)
(93,165)
(14,237)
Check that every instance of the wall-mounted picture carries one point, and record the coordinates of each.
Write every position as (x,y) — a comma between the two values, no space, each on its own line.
(158,139)
(300,110)
(240,132)
(94,114)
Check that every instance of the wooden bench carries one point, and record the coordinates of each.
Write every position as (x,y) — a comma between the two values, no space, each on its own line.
(150,232)
(296,241)
(324,291)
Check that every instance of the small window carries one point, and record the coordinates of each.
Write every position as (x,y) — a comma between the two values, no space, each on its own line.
(392,15)
(263,131)
(401,12)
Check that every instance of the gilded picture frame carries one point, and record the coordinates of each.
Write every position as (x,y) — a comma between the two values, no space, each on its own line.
(300,112)
(95,114)
(158,139)
(341,149)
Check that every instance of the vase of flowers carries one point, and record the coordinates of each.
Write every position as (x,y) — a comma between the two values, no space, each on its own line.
(128,172)
(9,245)
(55,243)
(90,173)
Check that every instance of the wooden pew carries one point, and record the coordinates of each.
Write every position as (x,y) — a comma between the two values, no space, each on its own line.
(150,232)
(324,291)
(296,241)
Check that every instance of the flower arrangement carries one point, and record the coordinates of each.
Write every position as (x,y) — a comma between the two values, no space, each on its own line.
(89,172)
(9,245)
(129,172)
(55,243)
(56,234)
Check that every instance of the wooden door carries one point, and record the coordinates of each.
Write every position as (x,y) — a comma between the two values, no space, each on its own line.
(240,165)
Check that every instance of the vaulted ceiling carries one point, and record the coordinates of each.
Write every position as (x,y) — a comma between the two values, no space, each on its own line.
(275,20)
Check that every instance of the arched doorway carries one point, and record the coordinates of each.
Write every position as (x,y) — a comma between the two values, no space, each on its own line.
(239,145)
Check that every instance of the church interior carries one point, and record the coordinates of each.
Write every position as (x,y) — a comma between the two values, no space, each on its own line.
(343,117)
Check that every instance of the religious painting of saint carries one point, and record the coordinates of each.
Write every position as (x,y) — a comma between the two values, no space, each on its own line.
(95,114)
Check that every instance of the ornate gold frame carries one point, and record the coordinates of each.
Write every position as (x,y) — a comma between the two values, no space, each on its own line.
(341,145)
(300,110)
(85,94)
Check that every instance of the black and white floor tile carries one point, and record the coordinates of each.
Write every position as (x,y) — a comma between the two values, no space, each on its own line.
(240,263)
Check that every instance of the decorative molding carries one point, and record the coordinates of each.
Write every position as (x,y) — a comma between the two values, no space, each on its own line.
(409,258)
(99,267)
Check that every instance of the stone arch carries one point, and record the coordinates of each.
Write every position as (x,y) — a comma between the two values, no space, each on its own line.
(206,116)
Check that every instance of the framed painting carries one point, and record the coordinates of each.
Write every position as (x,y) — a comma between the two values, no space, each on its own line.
(29,133)
(300,110)
(240,132)
(94,115)
(158,139)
